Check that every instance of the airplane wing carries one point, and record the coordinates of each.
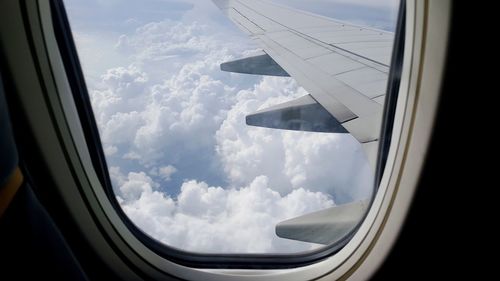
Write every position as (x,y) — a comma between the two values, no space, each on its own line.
(343,67)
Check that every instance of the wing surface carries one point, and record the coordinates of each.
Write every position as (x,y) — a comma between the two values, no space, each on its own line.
(344,67)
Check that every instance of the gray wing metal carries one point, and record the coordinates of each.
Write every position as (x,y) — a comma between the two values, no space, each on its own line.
(326,226)
(302,114)
(343,67)
(261,64)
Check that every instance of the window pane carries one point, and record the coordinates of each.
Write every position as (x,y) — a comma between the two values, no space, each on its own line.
(219,161)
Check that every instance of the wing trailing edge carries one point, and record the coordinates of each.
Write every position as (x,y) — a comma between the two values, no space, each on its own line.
(302,114)
(261,64)
(324,227)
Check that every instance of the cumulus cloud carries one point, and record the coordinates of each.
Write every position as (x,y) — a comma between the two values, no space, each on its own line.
(213,219)
(166,172)
(184,165)
(160,115)
(331,163)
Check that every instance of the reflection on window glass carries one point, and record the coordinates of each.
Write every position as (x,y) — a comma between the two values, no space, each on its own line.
(217,161)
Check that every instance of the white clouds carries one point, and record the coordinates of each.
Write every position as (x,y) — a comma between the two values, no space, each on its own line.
(162,172)
(331,163)
(109,150)
(116,103)
(316,161)
(160,110)
(247,152)
(213,219)
(200,200)
(186,167)
(135,186)
(166,172)
(192,121)
(165,38)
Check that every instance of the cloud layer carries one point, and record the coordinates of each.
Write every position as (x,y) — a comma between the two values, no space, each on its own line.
(213,219)
(185,166)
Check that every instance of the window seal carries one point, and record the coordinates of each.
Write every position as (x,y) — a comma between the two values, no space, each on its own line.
(391,99)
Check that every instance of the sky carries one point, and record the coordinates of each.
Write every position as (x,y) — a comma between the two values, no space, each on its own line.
(184,165)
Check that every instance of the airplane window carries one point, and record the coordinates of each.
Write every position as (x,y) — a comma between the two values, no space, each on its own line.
(237,127)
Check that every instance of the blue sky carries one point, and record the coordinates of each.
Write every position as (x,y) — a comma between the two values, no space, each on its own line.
(184,165)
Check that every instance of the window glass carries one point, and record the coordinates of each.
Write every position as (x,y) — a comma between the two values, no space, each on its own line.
(186,167)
